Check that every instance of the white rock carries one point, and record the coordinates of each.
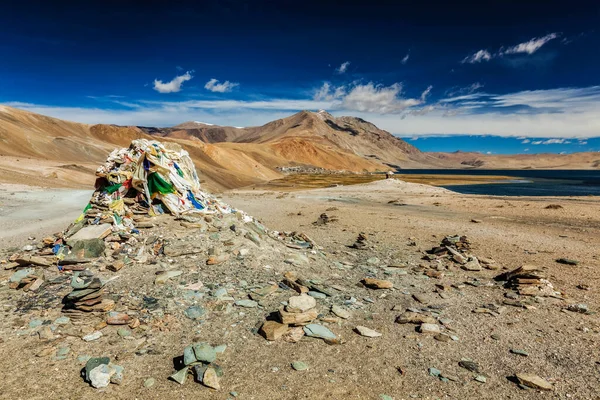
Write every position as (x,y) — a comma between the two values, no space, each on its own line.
(340,312)
(92,336)
(368,332)
(301,303)
(100,376)
(429,328)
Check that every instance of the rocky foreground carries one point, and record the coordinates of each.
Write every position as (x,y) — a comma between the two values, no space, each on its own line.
(353,299)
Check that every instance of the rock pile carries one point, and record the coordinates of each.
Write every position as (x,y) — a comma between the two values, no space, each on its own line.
(361,242)
(199,358)
(100,372)
(87,295)
(529,280)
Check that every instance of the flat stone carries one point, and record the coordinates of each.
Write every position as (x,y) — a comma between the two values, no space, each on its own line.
(377,283)
(519,352)
(481,378)
(92,363)
(89,248)
(189,356)
(92,232)
(533,381)
(148,383)
(472,265)
(567,261)
(429,328)
(297,318)
(210,378)
(205,352)
(21,274)
(246,303)
(117,376)
(123,332)
(415,318)
(340,312)
(216,260)
(299,365)
(317,295)
(301,303)
(367,332)
(319,331)
(180,376)
(164,276)
(117,318)
(62,321)
(469,365)
(421,298)
(273,330)
(92,336)
(442,337)
(194,312)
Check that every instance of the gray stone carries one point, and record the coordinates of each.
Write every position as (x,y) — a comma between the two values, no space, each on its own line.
(301,303)
(92,336)
(367,332)
(246,303)
(99,377)
(92,232)
(299,365)
(317,295)
(148,383)
(220,349)
(62,321)
(519,352)
(35,323)
(20,274)
(90,248)
(188,355)
(117,377)
(205,352)
(93,363)
(180,376)
(123,332)
(194,312)
(340,312)
(319,331)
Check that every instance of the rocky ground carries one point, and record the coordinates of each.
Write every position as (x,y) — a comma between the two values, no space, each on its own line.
(407,322)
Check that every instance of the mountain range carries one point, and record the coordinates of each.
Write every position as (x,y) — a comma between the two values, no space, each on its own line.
(45,151)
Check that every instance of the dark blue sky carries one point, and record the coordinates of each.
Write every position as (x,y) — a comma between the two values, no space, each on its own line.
(500,68)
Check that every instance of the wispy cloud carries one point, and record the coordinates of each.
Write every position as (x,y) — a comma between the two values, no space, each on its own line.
(405,59)
(528,47)
(215,86)
(477,57)
(174,85)
(551,141)
(343,68)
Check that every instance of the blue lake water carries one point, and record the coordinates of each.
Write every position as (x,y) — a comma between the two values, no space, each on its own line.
(527,182)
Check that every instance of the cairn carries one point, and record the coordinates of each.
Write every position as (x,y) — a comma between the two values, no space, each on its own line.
(87,295)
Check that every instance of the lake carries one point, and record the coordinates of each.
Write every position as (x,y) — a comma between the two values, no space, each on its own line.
(527,182)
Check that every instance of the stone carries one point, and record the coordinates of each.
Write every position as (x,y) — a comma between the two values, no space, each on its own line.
(35,323)
(99,377)
(481,378)
(205,352)
(220,349)
(92,363)
(92,336)
(409,317)
(434,372)
(117,377)
(293,335)
(117,318)
(89,248)
(297,259)
(180,376)
(340,312)
(519,352)
(429,328)
(319,331)
(442,337)
(45,333)
(116,266)
(21,274)
(246,303)
(123,332)
(46,351)
(189,356)
(299,365)
(472,264)
(300,304)
(216,260)
(297,318)
(92,232)
(164,276)
(210,378)
(367,332)
(567,261)
(469,365)
(421,298)
(35,260)
(578,308)
(62,321)
(148,383)
(317,295)
(273,330)
(533,381)
(194,312)
(377,283)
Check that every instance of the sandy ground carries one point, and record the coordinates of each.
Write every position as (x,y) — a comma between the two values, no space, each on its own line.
(33,212)
(562,346)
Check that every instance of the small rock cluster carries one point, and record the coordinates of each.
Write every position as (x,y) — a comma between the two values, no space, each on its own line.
(100,372)
(529,280)
(199,358)
(87,295)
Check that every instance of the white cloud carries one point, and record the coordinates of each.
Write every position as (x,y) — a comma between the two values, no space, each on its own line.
(377,99)
(525,141)
(328,93)
(214,86)
(426,93)
(405,59)
(529,47)
(343,68)
(479,56)
(551,141)
(174,85)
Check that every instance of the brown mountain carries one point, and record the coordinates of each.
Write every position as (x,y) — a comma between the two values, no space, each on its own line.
(45,151)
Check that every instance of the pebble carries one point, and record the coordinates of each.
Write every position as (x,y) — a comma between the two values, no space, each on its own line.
(246,303)
(194,312)
(299,365)
(205,352)
(481,378)
(99,377)
(123,332)
(533,381)
(567,261)
(469,365)
(92,336)
(62,321)
(377,283)
(367,332)
(519,352)
(148,383)
(317,295)
(319,331)
(429,328)
(340,312)
(35,323)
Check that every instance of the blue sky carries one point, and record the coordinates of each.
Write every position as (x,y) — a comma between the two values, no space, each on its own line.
(465,74)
